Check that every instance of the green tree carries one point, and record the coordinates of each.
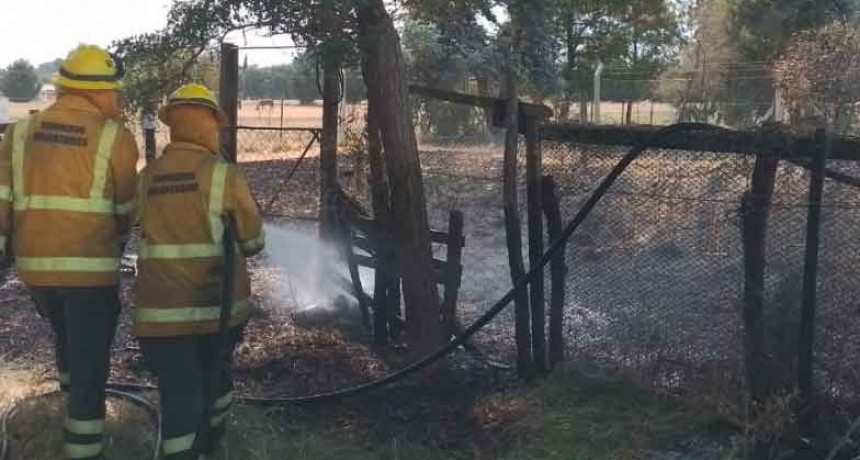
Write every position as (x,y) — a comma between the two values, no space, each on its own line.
(47,70)
(340,33)
(701,85)
(20,81)
(305,81)
(637,39)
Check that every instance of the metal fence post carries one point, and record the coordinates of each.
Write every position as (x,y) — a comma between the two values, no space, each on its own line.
(810,277)
(595,111)
(229,98)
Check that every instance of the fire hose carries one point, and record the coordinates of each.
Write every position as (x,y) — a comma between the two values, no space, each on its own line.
(466,334)
(134,399)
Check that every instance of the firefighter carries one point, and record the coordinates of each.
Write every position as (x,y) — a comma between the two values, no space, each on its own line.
(183,197)
(67,185)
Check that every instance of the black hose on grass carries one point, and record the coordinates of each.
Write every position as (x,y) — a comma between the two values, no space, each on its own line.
(134,399)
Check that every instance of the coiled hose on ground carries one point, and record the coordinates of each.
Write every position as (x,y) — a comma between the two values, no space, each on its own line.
(120,389)
(132,398)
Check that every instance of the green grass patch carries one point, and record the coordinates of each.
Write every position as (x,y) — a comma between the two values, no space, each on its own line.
(577,416)
(571,415)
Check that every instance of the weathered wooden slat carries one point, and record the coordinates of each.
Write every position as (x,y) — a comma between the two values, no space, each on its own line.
(445,238)
(454,271)
(365,261)
(530,110)
(364,243)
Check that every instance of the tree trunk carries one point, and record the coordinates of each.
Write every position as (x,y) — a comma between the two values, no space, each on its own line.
(387,89)
(328,144)
(513,229)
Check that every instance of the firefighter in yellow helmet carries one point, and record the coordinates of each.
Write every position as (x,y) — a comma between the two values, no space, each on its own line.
(67,186)
(183,197)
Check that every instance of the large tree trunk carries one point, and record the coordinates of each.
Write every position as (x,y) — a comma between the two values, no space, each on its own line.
(387,89)
(328,144)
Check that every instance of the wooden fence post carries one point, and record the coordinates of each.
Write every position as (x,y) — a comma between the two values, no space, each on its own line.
(806,340)
(513,231)
(454,273)
(383,278)
(755,211)
(552,209)
(228,98)
(534,171)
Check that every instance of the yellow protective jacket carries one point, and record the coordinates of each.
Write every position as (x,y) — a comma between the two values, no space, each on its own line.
(183,197)
(67,185)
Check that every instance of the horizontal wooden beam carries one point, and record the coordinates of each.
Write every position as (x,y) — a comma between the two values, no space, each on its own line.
(771,141)
(439,266)
(541,112)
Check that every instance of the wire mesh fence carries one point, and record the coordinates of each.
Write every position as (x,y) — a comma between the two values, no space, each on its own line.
(654,288)
(655,276)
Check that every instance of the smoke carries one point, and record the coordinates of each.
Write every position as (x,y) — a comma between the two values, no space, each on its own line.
(308,273)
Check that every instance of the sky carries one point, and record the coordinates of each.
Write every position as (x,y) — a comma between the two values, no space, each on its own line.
(43,30)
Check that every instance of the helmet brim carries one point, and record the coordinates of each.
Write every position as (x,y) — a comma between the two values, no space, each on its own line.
(65,82)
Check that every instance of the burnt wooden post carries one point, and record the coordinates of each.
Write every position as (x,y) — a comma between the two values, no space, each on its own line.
(383,278)
(810,277)
(454,270)
(534,171)
(552,210)
(229,99)
(513,232)
(755,210)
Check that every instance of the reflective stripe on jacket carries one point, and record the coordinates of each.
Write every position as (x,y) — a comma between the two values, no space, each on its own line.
(183,197)
(67,186)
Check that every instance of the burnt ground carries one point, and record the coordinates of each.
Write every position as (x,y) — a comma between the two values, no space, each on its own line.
(462,409)
(282,356)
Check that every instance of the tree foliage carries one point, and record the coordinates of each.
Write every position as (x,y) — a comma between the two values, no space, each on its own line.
(20,81)
(817,73)
(47,70)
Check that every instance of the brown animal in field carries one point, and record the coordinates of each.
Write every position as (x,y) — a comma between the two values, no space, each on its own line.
(265,103)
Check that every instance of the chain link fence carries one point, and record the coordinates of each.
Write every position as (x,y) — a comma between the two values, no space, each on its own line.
(655,275)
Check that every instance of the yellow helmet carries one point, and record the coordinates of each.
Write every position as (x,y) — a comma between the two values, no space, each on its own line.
(193,94)
(89,67)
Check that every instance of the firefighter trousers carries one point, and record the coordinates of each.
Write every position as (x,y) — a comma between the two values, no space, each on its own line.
(84,322)
(183,366)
